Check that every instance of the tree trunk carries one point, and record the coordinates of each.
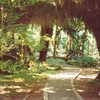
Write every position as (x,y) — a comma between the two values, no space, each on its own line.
(56,39)
(54,51)
(98,42)
(43,52)
(48,32)
(97,36)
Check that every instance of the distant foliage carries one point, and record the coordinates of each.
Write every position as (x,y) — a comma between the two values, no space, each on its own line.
(56,60)
(84,61)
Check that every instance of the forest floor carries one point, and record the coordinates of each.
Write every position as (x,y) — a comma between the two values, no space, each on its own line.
(29,90)
(21,86)
(86,85)
(28,93)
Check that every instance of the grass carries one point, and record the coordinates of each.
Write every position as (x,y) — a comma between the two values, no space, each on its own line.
(22,81)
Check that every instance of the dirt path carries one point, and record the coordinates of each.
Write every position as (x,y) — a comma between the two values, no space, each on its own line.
(60,86)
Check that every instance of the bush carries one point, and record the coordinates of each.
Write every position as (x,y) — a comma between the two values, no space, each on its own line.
(84,61)
(11,66)
(38,67)
(56,60)
(42,67)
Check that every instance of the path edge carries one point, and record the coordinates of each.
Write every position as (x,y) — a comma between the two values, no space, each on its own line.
(74,89)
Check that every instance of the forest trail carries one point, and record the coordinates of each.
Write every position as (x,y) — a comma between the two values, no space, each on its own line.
(60,86)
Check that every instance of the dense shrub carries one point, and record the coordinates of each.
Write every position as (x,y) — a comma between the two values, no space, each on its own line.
(84,61)
(39,68)
(56,60)
(11,66)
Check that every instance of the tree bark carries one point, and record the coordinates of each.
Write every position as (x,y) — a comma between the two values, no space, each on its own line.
(48,32)
(56,42)
(97,36)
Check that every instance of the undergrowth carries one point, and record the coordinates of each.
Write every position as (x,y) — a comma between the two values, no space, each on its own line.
(84,61)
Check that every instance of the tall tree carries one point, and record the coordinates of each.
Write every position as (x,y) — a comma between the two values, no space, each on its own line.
(48,31)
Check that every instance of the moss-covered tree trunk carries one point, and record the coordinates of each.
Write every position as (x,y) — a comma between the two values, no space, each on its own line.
(48,32)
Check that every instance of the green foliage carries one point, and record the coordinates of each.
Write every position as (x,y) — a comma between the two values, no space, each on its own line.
(5,46)
(56,60)
(84,61)
(11,66)
(56,63)
(39,68)
(79,39)
(33,1)
(44,67)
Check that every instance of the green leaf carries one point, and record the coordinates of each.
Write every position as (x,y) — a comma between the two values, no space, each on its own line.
(33,1)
